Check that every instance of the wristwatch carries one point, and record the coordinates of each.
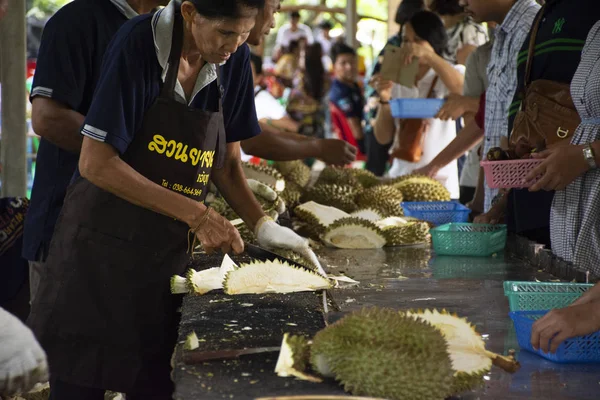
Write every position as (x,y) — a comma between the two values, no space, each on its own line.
(590,156)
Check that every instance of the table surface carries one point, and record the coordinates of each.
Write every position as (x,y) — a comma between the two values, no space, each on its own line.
(409,278)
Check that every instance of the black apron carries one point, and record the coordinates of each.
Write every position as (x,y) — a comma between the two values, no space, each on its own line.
(104,312)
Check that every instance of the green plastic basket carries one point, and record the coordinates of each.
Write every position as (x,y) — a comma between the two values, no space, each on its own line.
(533,296)
(462,239)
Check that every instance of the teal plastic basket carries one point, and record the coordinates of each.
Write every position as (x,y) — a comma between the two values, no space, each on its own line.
(462,239)
(532,296)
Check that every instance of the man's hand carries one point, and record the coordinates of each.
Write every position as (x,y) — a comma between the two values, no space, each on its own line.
(456,106)
(336,152)
(494,216)
(565,323)
(270,235)
(217,233)
(561,166)
(22,360)
(428,170)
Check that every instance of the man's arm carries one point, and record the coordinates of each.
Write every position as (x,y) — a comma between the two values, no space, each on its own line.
(232,184)
(384,127)
(274,144)
(57,123)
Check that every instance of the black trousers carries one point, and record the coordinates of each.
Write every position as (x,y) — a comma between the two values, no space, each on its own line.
(65,391)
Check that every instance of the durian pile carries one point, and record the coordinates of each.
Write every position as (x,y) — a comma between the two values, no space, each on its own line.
(364,229)
(384,353)
(257,277)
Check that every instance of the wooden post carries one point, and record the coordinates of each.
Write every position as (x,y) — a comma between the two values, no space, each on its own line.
(351,23)
(14,126)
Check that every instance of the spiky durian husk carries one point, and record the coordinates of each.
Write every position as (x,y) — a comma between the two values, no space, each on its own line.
(246,233)
(272,277)
(366,178)
(295,257)
(354,233)
(265,174)
(463,343)
(408,234)
(371,197)
(318,217)
(337,176)
(40,393)
(382,353)
(388,208)
(291,195)
(294,172)
(222,208)
(337,196)
(421,188)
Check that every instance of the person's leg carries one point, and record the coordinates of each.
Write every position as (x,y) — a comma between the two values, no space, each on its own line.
(65,391)
(35,270)
(377,155)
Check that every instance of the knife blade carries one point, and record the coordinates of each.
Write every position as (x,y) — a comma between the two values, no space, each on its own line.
(197,357)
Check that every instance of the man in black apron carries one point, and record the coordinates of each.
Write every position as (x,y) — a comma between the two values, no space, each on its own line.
(103,312)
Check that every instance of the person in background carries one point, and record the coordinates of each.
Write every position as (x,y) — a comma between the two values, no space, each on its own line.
(579,319)
(280,140)
(288,65)
(345,92)
(293,30)
(68,68)
(326,42)
(563,30)
(305,104)
(424,36)
(464,34)
(467,105)
(377,154)
(515,18)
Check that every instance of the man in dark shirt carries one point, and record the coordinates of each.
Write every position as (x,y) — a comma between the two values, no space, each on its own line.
(377,154)
(68,69)
(345,92)
(559,41)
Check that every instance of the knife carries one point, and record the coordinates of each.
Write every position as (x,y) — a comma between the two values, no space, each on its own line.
(197,357)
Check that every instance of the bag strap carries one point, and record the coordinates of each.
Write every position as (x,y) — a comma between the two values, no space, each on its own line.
(432,86)
(532,39)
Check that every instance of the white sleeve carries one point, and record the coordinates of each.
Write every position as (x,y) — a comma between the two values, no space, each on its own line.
(440,88)
(309,35)
(403,92)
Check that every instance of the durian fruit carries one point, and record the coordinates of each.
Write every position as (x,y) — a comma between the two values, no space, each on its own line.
(291,194)
(366,178)
(272,277)
(337,176)
(265,174)
(383,353)
(341,197)
(246,233)
(294,357)
(368,213)
(317,216)
(354,233)
(470,359)
(202,282)
(421,188)
(295,172)
(223,209)
(400,232)
(295,257)
(384,199)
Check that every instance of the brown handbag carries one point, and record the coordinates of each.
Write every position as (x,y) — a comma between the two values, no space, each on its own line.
(408,142)
(547,116)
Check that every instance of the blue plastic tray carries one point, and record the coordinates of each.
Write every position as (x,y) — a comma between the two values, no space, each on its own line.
(583,349)
(415,108)
(437,212)
(461,239)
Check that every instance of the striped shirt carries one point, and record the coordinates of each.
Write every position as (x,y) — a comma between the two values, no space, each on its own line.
(502,75)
